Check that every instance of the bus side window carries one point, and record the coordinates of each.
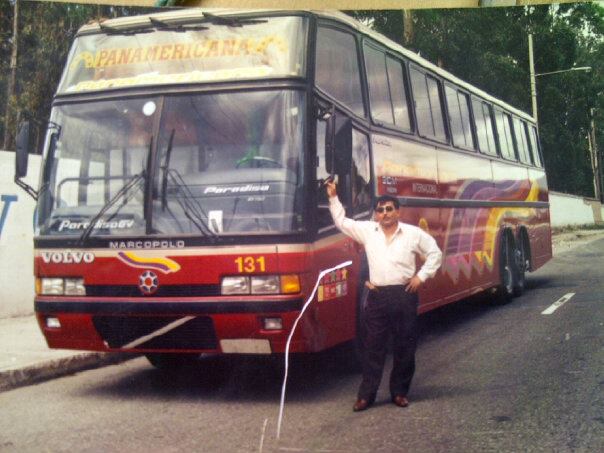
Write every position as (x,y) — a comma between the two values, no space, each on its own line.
(360,173)
(459,118)
(398,93)
(380,102)
(521,142)
(428,111)
(534,146)
(506,144)
(484,127)
(337,68)
(488,118)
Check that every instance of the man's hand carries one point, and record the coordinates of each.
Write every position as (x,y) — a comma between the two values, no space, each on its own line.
(413,284)
(330,186)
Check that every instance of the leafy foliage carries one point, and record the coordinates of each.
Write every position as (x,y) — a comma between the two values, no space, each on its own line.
(485,46)
(488,47)
(46,32)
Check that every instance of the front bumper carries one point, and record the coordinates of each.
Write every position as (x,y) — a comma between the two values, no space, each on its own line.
(229,325)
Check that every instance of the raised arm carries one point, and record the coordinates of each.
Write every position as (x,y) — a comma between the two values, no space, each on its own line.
(348,226)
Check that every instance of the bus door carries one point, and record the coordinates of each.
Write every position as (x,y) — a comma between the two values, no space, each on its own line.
(343,154)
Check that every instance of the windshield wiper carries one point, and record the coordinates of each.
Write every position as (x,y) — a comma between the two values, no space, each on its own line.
(232,21)
(119,194)
(164,168)
(124,31)
(179,28)
(191,207)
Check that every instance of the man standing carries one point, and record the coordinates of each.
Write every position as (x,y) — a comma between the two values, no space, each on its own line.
(391,247)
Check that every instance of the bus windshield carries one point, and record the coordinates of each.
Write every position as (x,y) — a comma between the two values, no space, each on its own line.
(184,54)
(211,164)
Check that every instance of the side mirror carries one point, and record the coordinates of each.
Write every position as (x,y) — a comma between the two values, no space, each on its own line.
(22,153)
(338,146)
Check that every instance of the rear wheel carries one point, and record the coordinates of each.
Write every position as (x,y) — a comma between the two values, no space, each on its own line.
(507,270)
(521,264)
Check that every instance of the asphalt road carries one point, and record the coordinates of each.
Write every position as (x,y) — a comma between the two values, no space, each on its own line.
(489,379)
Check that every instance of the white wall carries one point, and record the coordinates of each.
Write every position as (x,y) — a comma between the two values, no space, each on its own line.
(572,210)
(16,238)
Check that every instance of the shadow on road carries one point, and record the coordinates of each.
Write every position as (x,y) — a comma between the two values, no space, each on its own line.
(312,377)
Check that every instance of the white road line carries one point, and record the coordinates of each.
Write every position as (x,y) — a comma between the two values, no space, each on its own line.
(553,307)
(157,333)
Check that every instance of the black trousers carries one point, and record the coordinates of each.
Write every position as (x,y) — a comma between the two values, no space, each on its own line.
(390,312)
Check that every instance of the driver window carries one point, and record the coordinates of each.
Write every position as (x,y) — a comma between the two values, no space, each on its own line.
(323,216)
(360,174)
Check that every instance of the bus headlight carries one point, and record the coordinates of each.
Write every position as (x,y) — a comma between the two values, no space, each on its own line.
(260,284)
(266,284)
(235,285)
(55,286)
(52,286)
(75,287)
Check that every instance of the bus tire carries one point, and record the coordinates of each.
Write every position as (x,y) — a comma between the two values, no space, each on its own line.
(507,270)
(521,264)
(171,362)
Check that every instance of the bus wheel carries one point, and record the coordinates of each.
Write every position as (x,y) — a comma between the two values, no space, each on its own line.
(520,265)
(172,362)
(507,271)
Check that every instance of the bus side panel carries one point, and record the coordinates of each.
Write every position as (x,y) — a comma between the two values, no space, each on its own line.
(540,233)
(468,246)
(332,316)
(409,170)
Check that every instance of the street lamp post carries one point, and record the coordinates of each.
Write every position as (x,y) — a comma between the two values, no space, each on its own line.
(534,75)
(593,154)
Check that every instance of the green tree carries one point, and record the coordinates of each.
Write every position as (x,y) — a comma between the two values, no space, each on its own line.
(488,48)
(47,30)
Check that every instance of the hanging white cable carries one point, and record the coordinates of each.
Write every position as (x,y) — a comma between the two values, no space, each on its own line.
(291,334)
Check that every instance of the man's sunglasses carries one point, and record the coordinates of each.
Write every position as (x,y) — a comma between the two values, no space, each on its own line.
(384,208)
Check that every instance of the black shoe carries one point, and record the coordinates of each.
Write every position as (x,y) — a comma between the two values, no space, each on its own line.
(361,405)
(400,400)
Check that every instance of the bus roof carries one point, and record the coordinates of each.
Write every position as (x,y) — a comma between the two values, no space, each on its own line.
(194,14)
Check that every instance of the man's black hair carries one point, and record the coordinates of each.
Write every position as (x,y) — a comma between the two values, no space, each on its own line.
(385,199)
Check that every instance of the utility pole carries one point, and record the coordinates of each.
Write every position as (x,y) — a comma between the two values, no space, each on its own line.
(596,162)
(11,85)
(407,26)
(533,81)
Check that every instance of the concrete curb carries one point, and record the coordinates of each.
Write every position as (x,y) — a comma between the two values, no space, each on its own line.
(50,369)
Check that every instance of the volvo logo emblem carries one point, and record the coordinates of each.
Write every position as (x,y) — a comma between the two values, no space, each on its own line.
(148,283)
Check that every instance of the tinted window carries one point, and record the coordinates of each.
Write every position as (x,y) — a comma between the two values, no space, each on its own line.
(379,92)
(534,146)
(437,113)
(459,118)
(361,174)
(397,93)
(504,132)
(337,68)
(521,141)
(484,128)
(427,105)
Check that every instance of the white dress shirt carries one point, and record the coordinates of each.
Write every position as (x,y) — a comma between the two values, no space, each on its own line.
(391,262)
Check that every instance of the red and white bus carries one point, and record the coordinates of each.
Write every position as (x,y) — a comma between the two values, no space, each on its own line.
(181,207)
